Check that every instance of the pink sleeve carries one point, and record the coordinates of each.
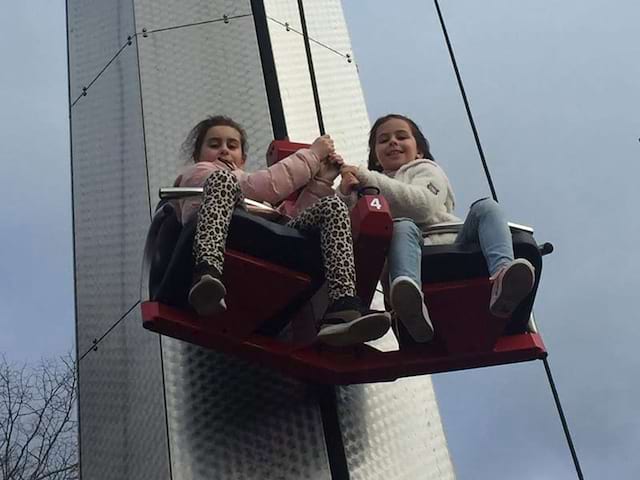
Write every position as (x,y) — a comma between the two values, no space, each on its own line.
(195,175)
(277,182)
(314,191)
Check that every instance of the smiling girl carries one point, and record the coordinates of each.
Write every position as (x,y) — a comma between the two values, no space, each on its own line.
(420,195)
(217,148)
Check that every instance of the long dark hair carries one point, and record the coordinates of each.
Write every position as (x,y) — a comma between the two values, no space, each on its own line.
(192,145)
(421,141)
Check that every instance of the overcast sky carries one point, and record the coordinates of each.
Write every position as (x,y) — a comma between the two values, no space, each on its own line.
(554,89)
(36,285)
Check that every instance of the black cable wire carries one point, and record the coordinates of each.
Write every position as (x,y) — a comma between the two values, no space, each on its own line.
(466,102)
(556,397)
(97,341)
(311,39)
(146,32)
(312,72)
(563,419)
(88,86)
(224,19)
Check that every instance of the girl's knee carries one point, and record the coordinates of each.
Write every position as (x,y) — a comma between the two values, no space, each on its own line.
(485,206)
(406,227)
(221,176)
(334,204)
(221,179)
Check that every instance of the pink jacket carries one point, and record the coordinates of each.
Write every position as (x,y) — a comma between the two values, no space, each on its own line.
(272,185)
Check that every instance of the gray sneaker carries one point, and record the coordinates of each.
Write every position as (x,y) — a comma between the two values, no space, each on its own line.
(408,305)
(511,285)
(207,296)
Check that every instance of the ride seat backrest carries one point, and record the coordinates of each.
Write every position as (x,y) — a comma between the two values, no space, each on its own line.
(170,275)
(162,245)
(172,265)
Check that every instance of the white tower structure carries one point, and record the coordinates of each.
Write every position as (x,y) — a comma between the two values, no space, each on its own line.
(141,74)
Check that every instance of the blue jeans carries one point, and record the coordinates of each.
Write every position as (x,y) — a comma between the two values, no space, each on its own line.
(485,224)
(405,251)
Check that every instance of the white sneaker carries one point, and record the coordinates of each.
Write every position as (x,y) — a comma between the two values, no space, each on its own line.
(511,285)
(207,296)
(407,302)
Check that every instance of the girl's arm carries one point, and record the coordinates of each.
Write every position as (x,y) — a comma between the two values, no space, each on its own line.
(285,177)
(426,191)
(320,186)
(315,190)
(196,174)
(349,198)
(277,182)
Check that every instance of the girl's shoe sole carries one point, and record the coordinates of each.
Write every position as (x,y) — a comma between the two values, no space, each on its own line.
(517,282)
(364,329)
(408,305)
(207,296)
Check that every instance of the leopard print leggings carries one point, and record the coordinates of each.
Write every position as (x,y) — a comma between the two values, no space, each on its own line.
(329,216)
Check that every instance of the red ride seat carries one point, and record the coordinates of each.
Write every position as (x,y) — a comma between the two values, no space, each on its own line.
(272,271)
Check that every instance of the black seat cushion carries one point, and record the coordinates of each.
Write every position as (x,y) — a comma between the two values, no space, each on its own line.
(443,263)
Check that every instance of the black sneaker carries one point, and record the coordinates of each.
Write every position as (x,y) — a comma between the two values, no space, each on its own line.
(347,322)
(207,292)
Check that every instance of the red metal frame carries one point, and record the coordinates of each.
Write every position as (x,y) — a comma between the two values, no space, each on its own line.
(474,328)
(249,303)
(372,228)
(279,149)
(362,364)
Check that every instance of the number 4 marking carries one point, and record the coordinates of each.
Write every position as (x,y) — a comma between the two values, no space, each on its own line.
(375,203)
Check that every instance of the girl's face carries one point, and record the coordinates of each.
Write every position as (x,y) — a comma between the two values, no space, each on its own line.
(222,143)
(395,144)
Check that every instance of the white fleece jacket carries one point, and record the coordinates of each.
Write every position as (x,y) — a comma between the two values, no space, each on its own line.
(419,190)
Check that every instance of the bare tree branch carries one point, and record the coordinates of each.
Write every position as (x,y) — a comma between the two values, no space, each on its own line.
(38,426)
(56,472)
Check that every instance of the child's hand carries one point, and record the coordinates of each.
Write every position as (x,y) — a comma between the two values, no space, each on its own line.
(330,168)
(323,146)
(349,180)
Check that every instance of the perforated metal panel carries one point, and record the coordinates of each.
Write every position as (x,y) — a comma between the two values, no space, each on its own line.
(123,429)
(158,14)
(342,102)
(291,66)
(393,431)
(232,420)
(97,30)
(192,72)
(111,211)
(343,105)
